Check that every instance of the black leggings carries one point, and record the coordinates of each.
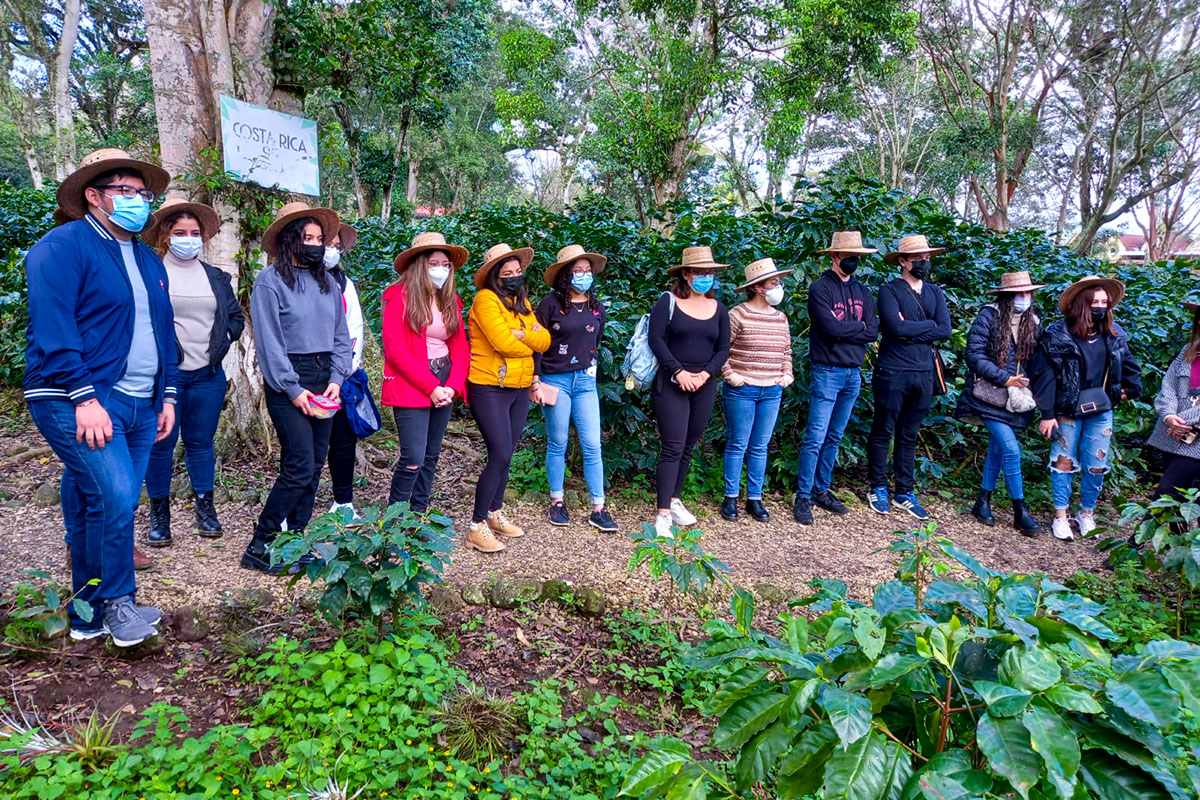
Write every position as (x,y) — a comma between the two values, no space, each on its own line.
(343,446)
(421,431)
(902,400)
(1181,473)
(500,415)
(682,417)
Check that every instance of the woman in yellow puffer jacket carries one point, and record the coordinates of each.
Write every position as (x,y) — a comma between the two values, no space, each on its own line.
(504,336)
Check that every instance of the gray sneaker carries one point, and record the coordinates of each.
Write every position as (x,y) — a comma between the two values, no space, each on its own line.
(124,624)
(149,613)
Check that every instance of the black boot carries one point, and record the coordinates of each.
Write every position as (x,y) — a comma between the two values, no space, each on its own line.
(207,524)
(257,556)
(160,523)
(1023,520)
(729,509)
(802,511)
(755,509)
(982,512)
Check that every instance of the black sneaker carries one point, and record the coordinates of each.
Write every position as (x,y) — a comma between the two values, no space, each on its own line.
(558,513)
(827,501)
(603,521)
(802,511)
(257,556)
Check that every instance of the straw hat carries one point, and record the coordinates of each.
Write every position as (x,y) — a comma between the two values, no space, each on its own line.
(761,270)
(569,255)
(498,253)
(848,242)
(429,241)
(696,258)
(210,223)
(1114,288)
(95,164)
(347,235)
(327,218)
(911,245)
(1016,282)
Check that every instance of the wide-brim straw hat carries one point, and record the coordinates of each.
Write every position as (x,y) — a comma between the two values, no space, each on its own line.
(427,242)
(569,255)
(1016,282)
(1114,288)
(1191,305)
(95,164)
(327,218)
(698,257)
(761,270)
(847,242)
(911,245)
(210,223)
(347,235)
(497,254)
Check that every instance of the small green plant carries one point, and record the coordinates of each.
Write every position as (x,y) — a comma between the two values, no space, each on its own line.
(478,722)
(376,568)
(91,742)
(38,609)
(679,556)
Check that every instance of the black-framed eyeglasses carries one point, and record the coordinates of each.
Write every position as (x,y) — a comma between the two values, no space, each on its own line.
(126,190)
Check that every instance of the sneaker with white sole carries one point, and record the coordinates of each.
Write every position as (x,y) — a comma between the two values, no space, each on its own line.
(1061,528)
(150,614)
(878,498)
(680,515)
(1087,524)
(346,512)
(912,505)
(124,624)
(662,526)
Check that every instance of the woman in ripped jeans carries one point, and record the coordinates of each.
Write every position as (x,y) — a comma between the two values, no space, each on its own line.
(1082,368)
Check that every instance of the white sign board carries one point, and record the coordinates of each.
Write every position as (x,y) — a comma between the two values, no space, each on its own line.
(270,148)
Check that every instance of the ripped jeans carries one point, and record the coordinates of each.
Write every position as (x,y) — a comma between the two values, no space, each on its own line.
(1081,445)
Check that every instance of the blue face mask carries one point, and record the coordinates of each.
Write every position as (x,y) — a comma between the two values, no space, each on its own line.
(703,283)
(582,282)
(130,213)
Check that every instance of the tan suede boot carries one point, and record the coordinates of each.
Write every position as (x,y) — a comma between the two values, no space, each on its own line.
(499,524)
(479,536)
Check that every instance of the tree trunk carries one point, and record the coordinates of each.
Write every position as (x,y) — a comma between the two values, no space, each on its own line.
(64,116)
(35,167)
(414,180)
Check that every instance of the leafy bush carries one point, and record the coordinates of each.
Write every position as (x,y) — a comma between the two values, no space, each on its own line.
(985,685)
(38,609)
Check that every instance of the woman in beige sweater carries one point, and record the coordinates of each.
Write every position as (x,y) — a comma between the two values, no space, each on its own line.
(758,370)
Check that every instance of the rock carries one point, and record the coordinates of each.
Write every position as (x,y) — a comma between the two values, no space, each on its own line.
(445,601)
(769,593)
(190,624)
(577,499)
(17,449)
(589,601)
(6,493)
(181,489)
(311,600)
(513,592)
(534,496)
(263,494)
(220,495)
(253,598)
(46,495)
(511,495)
(556,591)
(244,496)
(472,594)
(155,644)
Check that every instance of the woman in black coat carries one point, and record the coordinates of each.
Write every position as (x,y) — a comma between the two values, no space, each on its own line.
(997,395)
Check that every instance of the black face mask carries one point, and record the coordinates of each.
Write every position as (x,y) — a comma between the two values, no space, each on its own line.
(919,269)
(311,256)
(1099,315)
(848,264)
(512,284)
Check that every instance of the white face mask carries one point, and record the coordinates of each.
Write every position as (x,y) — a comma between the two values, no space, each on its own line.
(439,276)
(185,248)
(333,257)
(774,296)
(1022,304)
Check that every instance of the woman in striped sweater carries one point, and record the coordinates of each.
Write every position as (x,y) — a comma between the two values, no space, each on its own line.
(758,369)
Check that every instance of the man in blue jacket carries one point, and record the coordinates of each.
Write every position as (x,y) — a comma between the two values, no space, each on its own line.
(100,376)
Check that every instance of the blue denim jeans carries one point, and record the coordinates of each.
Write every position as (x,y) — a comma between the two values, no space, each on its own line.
(200,397)
(1003,455)
(832,394)
(1084,443)
(100,490)
(578,400)
(750,414)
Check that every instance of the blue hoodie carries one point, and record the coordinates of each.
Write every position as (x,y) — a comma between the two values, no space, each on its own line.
(81,315)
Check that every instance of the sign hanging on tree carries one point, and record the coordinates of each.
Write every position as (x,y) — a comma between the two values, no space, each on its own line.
(270,148)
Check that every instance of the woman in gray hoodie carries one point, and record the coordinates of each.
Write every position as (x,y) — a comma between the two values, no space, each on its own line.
(1178,407)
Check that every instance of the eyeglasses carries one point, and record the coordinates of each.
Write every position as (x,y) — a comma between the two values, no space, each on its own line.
(446,264)
(128,191)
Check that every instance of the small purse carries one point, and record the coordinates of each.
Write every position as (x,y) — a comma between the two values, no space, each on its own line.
(1094,401)
(990,393)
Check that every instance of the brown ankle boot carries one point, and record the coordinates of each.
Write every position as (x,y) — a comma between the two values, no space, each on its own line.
(499,524)
(479,536)
(141,560)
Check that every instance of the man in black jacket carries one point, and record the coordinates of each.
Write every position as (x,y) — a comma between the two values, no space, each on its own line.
(912,317)
(842,313)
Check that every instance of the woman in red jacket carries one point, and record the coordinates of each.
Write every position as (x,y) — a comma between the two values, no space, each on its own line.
(426,358)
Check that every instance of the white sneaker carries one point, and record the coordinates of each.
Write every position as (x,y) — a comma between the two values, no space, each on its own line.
(346,511)
(662,526)
(680,515)
(1087,524)
(1062,529)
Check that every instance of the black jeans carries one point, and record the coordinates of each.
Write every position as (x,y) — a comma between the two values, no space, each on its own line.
(343,447)
(682,417)
(303,441)
(902,399)
(500,415)
(420,431)
(1182,473)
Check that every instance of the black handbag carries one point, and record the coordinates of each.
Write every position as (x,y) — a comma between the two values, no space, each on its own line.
(1095,400)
